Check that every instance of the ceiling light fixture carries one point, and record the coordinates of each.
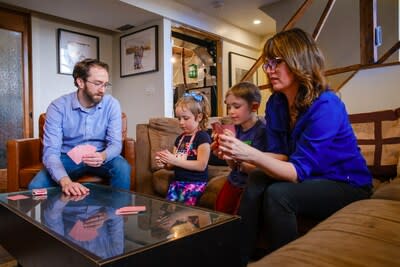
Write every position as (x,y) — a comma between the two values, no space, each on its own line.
(256,21)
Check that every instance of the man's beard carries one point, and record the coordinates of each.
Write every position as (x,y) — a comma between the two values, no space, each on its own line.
(93,98)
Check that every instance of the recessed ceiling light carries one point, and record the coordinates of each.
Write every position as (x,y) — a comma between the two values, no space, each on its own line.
(256,21)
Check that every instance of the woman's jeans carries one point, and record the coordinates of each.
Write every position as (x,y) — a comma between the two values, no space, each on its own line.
(275,205)
(117,170)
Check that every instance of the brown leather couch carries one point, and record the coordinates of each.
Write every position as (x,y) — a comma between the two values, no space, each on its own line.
(24,158)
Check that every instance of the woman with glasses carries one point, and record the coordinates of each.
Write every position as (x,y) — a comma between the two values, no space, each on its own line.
(313,166)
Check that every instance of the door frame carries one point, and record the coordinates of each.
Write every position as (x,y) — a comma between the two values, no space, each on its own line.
(19,21)
(185,30)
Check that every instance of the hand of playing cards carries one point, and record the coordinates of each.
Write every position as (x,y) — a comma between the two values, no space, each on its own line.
(219,128)
(79,151)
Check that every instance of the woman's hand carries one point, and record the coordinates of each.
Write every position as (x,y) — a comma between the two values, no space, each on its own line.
(232,148)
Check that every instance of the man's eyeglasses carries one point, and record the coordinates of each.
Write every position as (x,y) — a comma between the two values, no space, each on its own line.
(272,63)
(98,85)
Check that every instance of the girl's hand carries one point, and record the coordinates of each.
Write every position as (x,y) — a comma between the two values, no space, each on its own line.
(166,157)
(158,161)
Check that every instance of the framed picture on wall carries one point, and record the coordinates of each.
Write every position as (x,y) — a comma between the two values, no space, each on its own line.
(139,52)
(74,47)
(239,65)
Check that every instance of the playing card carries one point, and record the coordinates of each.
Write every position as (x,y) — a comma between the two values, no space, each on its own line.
(229,127)
(81,233)
(17,197)
(79,151)
(39,192)
(130,210)
(219,128)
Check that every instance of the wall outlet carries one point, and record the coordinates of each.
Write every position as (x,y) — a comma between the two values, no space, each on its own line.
(149,91)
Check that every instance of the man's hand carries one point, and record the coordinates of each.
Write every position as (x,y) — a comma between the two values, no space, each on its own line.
(94,159)
(96,221)
(71,188)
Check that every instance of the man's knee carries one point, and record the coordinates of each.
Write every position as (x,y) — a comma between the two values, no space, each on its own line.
(40,180)
(120,164)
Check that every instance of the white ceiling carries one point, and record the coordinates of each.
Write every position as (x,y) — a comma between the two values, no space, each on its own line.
(240,13)
(111,14)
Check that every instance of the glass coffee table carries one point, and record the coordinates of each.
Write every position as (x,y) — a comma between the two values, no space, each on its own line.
(56,230)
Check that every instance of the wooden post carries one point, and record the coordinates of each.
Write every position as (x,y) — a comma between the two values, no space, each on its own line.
(368,49)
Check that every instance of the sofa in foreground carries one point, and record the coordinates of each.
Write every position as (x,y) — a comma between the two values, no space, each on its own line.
(364,233)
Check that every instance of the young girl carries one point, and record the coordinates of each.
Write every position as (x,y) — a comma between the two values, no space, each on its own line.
(242,101)
(191,152)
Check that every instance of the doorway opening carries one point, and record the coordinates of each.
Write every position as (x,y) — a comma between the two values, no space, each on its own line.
(195,65)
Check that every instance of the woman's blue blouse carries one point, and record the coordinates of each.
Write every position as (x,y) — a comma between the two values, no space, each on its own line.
(322,143)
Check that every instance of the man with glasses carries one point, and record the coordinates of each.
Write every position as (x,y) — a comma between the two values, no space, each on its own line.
(83,134)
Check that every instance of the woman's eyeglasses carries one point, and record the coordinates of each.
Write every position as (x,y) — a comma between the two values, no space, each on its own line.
(272,63)
(99,85)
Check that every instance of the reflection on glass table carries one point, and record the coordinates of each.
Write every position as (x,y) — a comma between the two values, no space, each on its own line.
(92,225)
(87,230)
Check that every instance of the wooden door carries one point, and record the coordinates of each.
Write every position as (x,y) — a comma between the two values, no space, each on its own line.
(15,95)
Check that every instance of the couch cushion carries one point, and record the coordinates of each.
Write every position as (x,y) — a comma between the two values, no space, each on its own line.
(364,233)
(378,135)
(161,180)
(162,135)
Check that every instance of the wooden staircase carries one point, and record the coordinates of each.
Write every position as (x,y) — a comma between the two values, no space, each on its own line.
(368,11)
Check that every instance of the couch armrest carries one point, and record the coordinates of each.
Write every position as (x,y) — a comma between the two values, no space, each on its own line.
(20,153)
(128,152)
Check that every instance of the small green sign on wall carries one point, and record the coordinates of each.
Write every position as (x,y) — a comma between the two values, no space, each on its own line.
(193,71)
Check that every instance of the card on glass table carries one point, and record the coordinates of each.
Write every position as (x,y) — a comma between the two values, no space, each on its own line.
(39,192)
(130,210)
(79,151)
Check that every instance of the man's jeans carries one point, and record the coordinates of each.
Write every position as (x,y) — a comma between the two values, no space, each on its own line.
(117,170)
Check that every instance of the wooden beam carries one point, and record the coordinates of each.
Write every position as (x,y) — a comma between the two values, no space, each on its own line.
(299,13)
(323,18)
(342,70)
(253,69)
(345,81)
(184,68)
(368,49)
(389,52)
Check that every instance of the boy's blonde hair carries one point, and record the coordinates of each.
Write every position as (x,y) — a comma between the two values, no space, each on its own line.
(197,103)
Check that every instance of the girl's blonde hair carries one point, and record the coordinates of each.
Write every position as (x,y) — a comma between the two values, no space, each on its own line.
(246,90)
(197,103)
(304,59)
